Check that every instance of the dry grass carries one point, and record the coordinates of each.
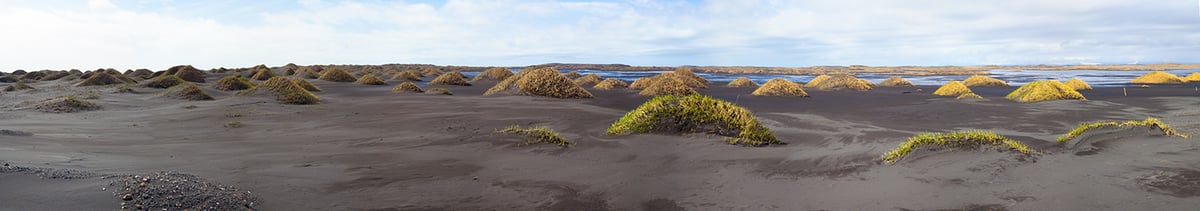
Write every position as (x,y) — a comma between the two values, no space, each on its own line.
(742,82)
(187,73)
(573,74)
(439,91)
(232,83)
(310,72)
(968,96)
(20,85)
(284,90)
(610,84)
(1194,77)
(640,83)
(370,79)
(958,139)
(588,80)
(100,79)
(983,81)
(539,82)
(165,81)
(1150,122)
(453,78)
(493,74)
(262,74)
(537,135)
(687,72)
(896,81)
(817,80)
(1158,77)
(337,75)
(666,85)
(780,87)
(431,73)
(187,91)
(66,104)
(953,88)
(1044,90)
(306,85)
(841,82)
(695,113)
(1078,85)
(411,75)
(407,87)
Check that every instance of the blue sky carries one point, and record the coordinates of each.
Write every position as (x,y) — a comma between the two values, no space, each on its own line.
(156,34)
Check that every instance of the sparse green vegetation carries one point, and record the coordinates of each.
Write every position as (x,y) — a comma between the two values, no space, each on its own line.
(840,82)
(780,87)
(896,81)
(187,73)
(695,113)
(1158,77)
(983,81)
(407,87)
(1044,90)
(742,82)
(284,90)
(337,75)
(370,79)
(953,88)
(233,124)
(1150,122)
(493,74)
(955,139)
(537,135)
(453,78)
(233,82)
(539,82)
(1078,85)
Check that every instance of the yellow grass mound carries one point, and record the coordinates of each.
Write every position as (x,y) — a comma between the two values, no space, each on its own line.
(407,76)
(310,72)
(537,135)
(439,91)
(695,114)
(970,139)
(1044,90)
(610,84)
(233,82)
(742,82)
(687,72)
(407,87)
(188,73)
(306,85)
(453,78)
(431,73)
(284,90)
(337,75)
(539,82)
(953,88)
(588,80)
(983,81)
(100,79)
(1158,77)
(66,104)
(1194,77)
(573,74)
(895,81)
(493,74)
(262,74)
(968,96)
(640,83)
(370,79)
(780,87)
(667,85)
(187,91)
(1078,85)
(817,80)
(165,81)
(841,82)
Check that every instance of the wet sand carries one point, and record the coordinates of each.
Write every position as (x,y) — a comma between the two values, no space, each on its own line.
(364,148)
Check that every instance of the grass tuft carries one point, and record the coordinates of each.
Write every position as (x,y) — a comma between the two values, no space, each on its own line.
(537,135)
(233,82)
(640,83)
(1044,90)
(370,79)
(840,82)
(187,73)
(337,75)
(742,82)
(310,72)
(1158,77)
(817,80)
(407,87)
(588,80)
(1194,77)
(306,85)
(955,139)
(164,81)
(187,91)
(1078,85)
(666,85)
(284,90)
(263,73)
(896,81)
(687,72)
(539,82)
(983,81)
(100,79)
(439,91)
(20,85)
(431,73)
(968,96)
(493,74)
(573,74)
(695,113)
(455,78)
(953,88)
(1150,122)
(66,104)
(610,84)
(780,87)
(233,124)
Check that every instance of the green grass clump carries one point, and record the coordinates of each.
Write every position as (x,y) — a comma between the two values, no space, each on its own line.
(453,78)
(610,84)
(780,87)
(284,90)
(164,81)
(1194,77)
(370,79)
(841,82)
(187,73)
(539,82)
(742,82)
(306,85)
(537,135)
(262,74)
(983,81)
(187,91)
(955,139)
(817,80)
(695,113)
(896,81)
(66,104)
(439,91)
(337,75)
(1078,85)
(968,96)
(232,83)
(588,80)
(1158,77)
(1150,122)
(493,74)
(1044,90)
(407,87)
(953,88)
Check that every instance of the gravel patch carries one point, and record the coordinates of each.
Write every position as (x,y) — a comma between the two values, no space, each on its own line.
(178,191)
(47,173)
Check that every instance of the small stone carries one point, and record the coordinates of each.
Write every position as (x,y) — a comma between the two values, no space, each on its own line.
(127,197)
(5,164)
(475,178)
(142,185)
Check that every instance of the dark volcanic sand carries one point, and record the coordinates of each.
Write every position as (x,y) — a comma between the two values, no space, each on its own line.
(364,148)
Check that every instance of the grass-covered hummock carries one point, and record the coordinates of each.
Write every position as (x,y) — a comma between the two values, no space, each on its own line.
(610,84)
(187,91)
(1078,85)
(337,75)
(1194,77)
(780,87)
(20,85)
(232,83)
(493,74)
(1150,122)
(411,75)
(695,113)
(1158,77)
(306,85)
(666,85)
(537,135)
(687,72)
(455,78)
(407,86)
(969,96)
(539,82)
(310,72)
(588,80)
(66,104)
(1044,90)
(285,91)
(262,73)
(290,68)
(742,82)
(431,72)
(640,83)
(956,139)
(164,81)
(953,88)
(100,79)
(983,81)
(895,81)
(817,80)
(841,82)
(439,91)
(370,79)
(573,74)
(187,73)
